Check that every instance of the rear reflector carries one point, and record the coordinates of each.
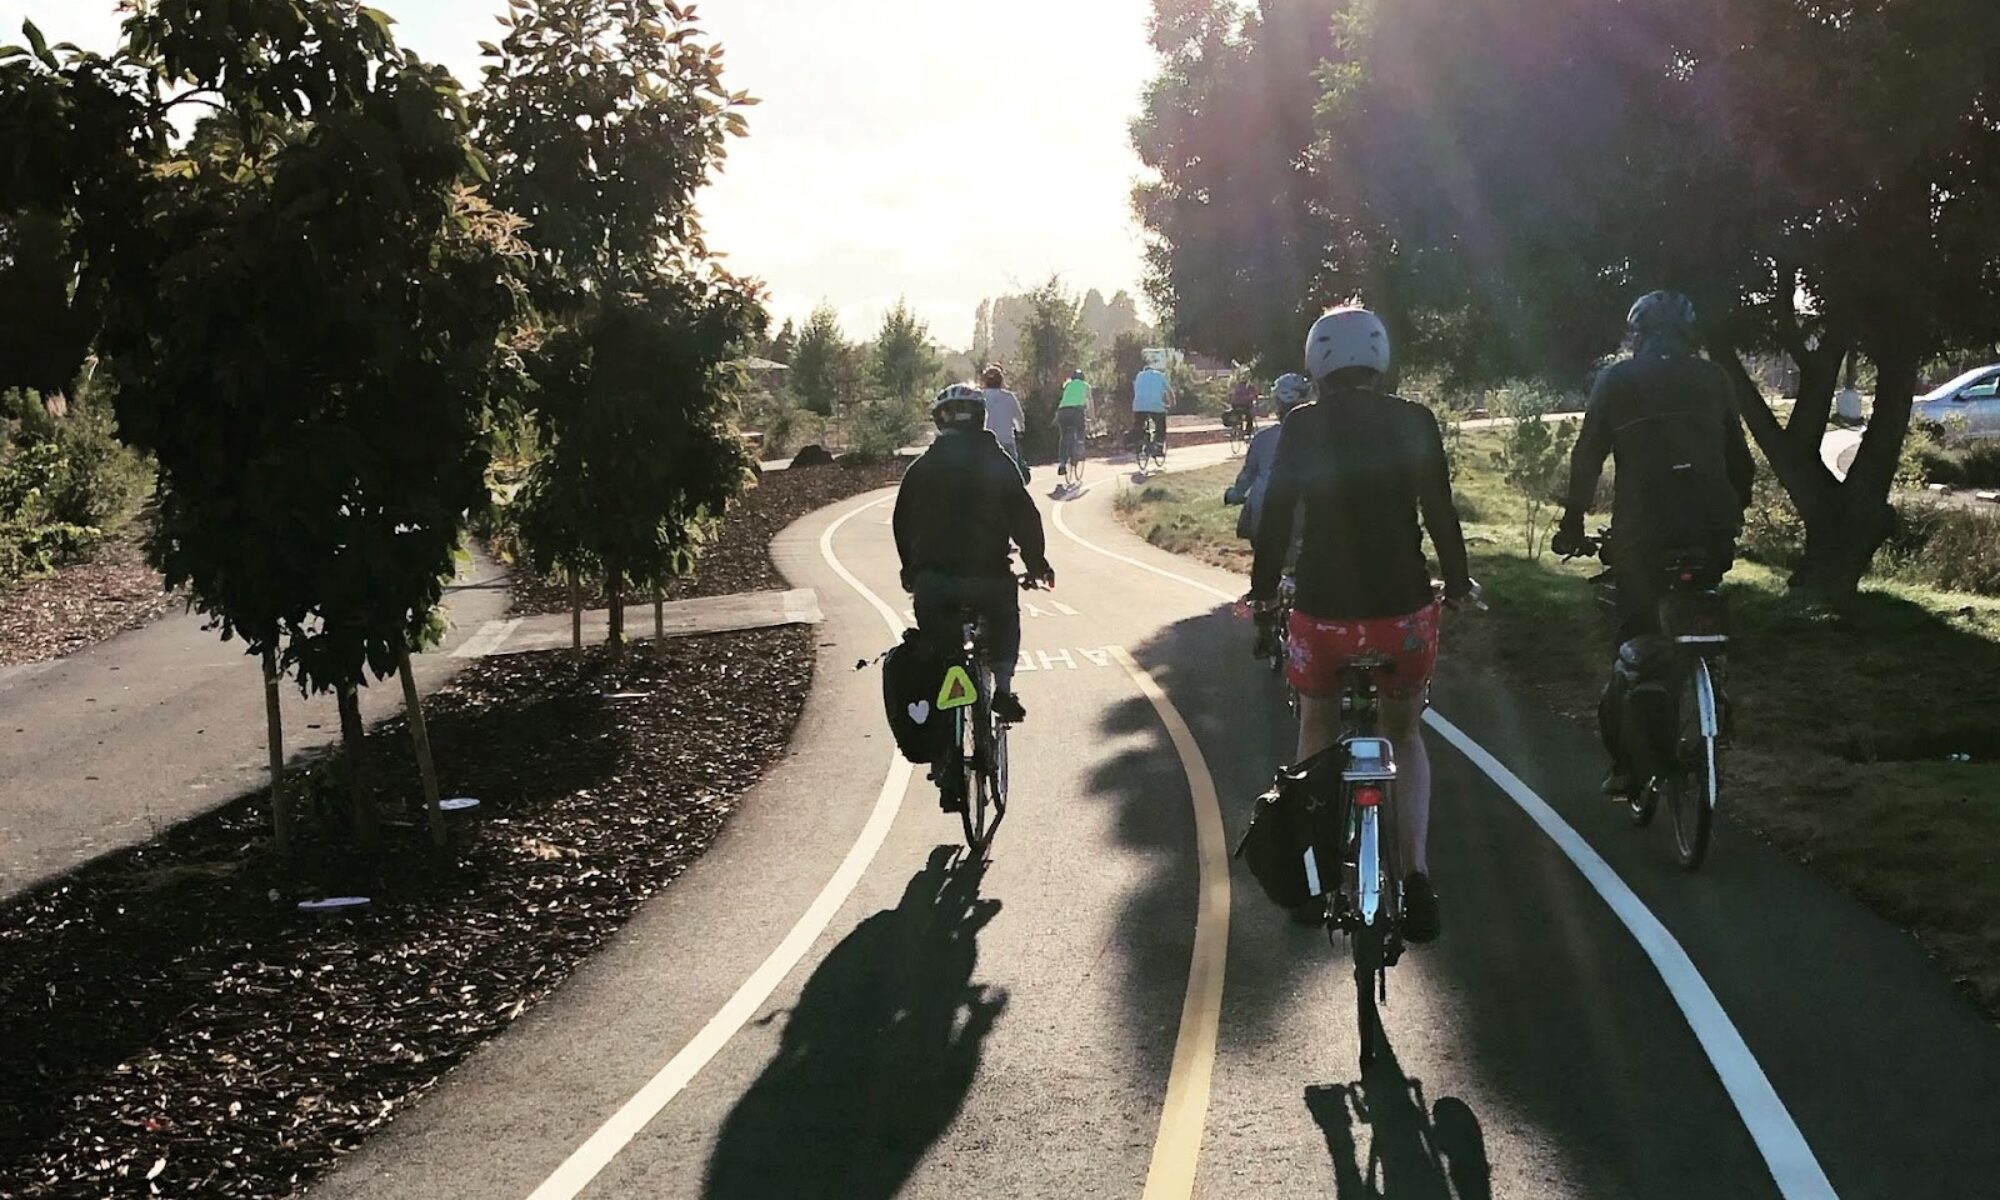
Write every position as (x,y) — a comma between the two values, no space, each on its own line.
(1368,797)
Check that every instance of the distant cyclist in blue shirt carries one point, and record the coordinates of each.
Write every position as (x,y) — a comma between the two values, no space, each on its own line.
(1150,396)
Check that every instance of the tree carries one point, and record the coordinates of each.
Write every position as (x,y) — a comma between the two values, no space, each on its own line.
(300,307)
(1238,237)
(903,363)
(784,345)
(602,119)
(1500,188)
(1525,183)
(1053,343)
(821,364)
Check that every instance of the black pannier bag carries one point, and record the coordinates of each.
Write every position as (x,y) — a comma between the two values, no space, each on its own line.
(912,676)
(1281,824)
(1637,715)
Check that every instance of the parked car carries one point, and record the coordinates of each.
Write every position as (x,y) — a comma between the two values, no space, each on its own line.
(1969,403)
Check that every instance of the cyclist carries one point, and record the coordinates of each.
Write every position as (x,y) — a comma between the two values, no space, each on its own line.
(1668,418)
(1243,405)
(1003,414)
(1072,418)
(1287,393)
(961,509)
(1151,394)
(1357,471)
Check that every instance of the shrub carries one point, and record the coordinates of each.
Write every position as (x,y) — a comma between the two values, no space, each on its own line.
(1940,546)
(1534,459)
(1773,532)
(884,426)
(1958,465)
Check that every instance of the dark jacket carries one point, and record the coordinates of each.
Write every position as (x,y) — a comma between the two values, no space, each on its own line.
(1669,418)
(1365,466)
(962,508)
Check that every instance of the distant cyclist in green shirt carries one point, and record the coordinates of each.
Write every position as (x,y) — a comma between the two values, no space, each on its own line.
(1072,413)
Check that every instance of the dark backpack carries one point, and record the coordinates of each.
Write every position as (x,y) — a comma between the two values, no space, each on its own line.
(912,677)
(1281,828)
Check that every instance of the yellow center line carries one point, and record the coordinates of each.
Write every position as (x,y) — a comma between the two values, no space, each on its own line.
(1177,1150)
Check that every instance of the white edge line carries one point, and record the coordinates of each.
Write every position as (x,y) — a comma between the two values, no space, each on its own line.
(585,1163)
(1786,1154)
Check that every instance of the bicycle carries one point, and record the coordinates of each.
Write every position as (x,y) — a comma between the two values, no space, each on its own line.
(974,771)
(1075,454)
(1152,439)
(1357,833)
(1237,422)
(1694,617)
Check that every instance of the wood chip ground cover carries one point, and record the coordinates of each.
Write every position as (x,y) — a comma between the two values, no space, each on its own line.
(169,1025)
(77,606)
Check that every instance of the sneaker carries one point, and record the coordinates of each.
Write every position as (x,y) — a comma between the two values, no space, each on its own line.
(1618,786)
(1007,707)
(1420,909)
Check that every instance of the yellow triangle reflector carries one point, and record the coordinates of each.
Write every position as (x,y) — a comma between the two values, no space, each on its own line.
(958,690)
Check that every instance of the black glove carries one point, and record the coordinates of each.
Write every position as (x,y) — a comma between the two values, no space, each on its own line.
(1042,574)
(1230,499)
(1568,541)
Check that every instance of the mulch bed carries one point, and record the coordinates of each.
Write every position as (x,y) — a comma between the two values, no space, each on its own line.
(171,1026)
(739,559)
(80,605)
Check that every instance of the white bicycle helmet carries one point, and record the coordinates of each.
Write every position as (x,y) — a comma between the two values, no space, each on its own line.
(1347,337)
(1290,391)
(961,403)
(1662,312)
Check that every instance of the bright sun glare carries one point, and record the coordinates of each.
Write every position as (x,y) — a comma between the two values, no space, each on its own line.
(939,150)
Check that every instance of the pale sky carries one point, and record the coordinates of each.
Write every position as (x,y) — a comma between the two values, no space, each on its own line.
(943,150)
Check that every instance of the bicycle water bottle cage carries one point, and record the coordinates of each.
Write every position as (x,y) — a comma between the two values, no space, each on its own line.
(1369,760)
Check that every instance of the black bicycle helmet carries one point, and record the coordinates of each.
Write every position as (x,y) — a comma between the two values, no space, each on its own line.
(1662,312)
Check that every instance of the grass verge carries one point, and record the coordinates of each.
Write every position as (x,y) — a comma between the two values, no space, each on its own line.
(1851,719)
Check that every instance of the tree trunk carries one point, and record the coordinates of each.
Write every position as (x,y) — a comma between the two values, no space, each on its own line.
(659,615)
(274,737)
(614,594)
(576,615)
(367,823)
(420,740)
(1819,379)
(1840,550)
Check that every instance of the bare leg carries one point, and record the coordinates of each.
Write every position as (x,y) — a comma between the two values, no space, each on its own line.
(1319,725)
(1402,721)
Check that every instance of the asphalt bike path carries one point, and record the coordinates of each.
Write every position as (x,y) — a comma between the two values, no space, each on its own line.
(831,1004)
(109,746)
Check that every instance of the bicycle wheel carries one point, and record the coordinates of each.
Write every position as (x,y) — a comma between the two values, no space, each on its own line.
(1693,789)
(985,771)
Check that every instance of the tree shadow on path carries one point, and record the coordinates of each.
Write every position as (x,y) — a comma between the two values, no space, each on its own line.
(877,1058)
(1416,1151)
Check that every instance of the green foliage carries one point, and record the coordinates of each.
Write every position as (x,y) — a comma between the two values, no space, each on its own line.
(1053,342)
(824,375)
(885,425)
(1945,547)
(1533,459)
(903,365)
(300,309)
(1237,212)
(601,120)
(787,426)
(1957,464)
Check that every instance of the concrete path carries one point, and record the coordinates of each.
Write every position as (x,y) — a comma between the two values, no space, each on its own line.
(680,618)
(108,747)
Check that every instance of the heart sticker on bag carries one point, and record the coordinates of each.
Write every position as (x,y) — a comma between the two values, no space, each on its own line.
(920,712)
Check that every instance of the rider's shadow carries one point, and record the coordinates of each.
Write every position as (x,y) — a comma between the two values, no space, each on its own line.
(876,1059)
(1416,1151)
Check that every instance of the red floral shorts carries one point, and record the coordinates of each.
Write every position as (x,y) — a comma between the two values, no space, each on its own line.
(1321,650)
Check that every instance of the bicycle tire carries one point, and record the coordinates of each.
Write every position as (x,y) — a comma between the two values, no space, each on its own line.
(1692,794)
(985,774)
